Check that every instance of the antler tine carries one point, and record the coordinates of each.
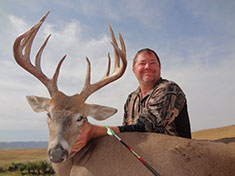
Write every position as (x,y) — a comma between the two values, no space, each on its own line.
(22,47)
(116,57)
(119,69)
(88,73)
(108,66)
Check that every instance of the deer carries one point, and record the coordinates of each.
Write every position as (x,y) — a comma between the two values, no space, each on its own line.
(105,156)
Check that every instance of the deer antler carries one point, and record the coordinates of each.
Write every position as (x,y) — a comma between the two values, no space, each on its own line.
(22,48)
(119,69)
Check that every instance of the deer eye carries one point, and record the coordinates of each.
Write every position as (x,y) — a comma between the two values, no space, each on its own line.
(79,118)
(48,115)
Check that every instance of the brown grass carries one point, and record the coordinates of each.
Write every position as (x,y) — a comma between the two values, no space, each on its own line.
(215,133)
(22,155)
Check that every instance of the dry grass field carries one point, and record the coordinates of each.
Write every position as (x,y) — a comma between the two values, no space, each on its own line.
(21,155)
(215,133)
(24,155)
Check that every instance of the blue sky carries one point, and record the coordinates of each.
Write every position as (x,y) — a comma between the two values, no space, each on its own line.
(194,39)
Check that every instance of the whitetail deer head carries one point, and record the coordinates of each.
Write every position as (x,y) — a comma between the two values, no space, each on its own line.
(66,114)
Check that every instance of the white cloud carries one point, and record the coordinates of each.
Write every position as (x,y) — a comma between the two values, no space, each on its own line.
(18,24)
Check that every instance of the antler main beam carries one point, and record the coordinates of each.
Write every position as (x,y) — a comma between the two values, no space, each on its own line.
(119,69)
(22,47)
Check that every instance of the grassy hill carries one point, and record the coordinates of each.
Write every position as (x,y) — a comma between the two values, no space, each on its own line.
(215,133)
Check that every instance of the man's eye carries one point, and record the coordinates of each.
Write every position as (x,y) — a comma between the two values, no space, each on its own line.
(79,118)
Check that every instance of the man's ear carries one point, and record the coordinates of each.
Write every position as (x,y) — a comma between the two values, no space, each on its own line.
(38,104)
(99,112)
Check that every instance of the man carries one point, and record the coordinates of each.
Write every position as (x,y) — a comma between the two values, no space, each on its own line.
(158,105)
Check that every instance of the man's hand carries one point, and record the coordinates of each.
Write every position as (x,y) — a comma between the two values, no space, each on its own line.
(87,132)
(85,135)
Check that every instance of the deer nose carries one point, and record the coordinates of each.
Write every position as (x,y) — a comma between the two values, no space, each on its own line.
(58,154)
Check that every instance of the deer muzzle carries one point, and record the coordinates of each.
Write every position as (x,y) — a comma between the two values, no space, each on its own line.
(57,154)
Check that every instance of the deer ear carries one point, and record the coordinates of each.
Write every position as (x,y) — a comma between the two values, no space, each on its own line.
(99,112)
(38,104)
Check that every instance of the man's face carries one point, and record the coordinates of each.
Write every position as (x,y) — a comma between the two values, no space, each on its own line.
(146,68)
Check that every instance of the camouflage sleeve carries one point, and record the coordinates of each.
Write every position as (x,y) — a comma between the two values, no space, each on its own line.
(162,109)
(124,122)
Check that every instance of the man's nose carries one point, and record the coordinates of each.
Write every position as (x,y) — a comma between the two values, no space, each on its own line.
(147,66)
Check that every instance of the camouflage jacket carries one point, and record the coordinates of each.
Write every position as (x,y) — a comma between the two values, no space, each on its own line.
(162,110)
